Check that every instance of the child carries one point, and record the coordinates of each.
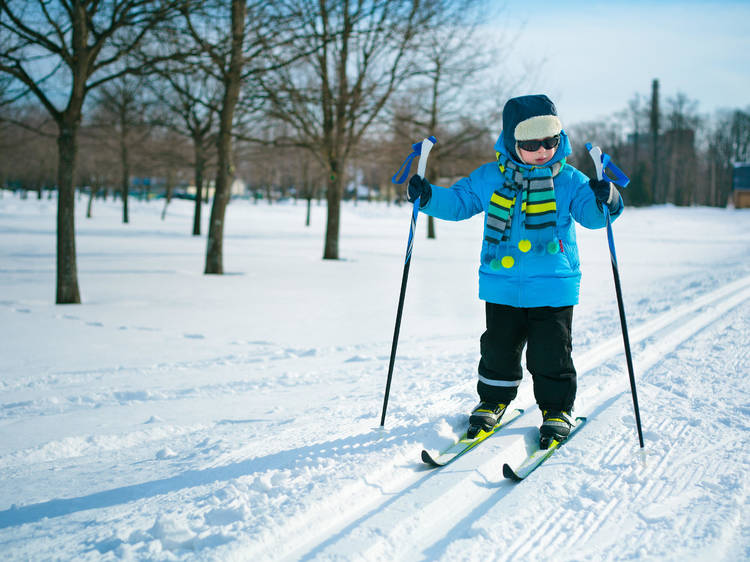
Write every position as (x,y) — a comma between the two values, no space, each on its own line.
(529,274)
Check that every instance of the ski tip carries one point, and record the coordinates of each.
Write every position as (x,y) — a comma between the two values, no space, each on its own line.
(510,474)
(427,458)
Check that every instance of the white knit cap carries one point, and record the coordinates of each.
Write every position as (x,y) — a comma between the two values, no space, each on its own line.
(538,127)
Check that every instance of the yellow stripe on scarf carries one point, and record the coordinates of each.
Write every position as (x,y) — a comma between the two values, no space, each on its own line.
(536,208)
(502,168)
(501,201)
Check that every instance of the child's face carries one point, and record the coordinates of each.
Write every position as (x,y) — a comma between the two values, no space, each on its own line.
(537,157)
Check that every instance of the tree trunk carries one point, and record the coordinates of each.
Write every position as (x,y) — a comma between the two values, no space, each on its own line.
(92,195)
(199,166)
(125,178)
(67,270)
(168,193)
(713,198)
(430,228)
(333,196)
(225,172)
(214,250)
(673,186)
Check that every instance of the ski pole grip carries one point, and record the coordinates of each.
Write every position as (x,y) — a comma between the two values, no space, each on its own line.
(418,148)
(596,155)
(427,145)
(603,162)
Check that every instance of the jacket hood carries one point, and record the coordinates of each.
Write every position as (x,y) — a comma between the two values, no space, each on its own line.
(527,118)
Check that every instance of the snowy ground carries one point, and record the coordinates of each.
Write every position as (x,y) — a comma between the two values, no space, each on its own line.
(180,416)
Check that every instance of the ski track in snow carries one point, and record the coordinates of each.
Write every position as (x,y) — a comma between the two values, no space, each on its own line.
(309,486)
(376,514)
(412,522)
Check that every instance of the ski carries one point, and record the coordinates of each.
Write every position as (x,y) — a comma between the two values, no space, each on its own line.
(465,444)
(536,458)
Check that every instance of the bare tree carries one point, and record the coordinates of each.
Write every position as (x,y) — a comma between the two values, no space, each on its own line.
(238,47)
(358,55)
(453,94)
(308,182)
(740,135)
(608,134)
(231,65)
(27,147)
(96,164)
(80,45)
(636,118)
(189,102)
(679,154)
(637,115)
(728,144)
(277,171)
(122,110)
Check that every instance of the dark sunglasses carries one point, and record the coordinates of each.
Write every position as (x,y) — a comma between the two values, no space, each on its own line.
(534,145)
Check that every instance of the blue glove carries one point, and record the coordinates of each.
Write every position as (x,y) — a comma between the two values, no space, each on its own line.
(419,187)
(605,192)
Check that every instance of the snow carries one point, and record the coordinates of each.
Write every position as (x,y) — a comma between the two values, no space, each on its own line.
(179,416)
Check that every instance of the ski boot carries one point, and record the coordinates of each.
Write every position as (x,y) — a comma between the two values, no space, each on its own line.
(484,417)
(555,427)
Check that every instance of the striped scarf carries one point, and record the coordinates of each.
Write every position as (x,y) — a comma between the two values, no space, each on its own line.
(537,192)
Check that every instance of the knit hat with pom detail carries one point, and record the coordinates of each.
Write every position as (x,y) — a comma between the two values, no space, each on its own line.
(528,118)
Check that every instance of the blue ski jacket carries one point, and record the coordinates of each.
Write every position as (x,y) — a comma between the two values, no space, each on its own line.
(525,271)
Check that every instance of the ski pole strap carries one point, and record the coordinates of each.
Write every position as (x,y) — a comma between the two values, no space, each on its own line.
(619,176)
(607,165)
(406,166)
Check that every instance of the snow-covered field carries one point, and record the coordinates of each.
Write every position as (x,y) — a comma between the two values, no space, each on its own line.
(175,415)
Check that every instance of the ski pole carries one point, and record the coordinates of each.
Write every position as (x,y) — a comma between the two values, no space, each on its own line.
(421,149)
(601,162)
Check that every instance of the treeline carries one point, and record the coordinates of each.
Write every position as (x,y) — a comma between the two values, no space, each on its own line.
(300,91)
(302,96)
(133,143)
(672,152)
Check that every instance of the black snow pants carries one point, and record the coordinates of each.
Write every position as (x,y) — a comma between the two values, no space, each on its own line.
(546,332)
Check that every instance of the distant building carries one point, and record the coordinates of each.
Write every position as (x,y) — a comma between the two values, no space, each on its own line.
(741,185)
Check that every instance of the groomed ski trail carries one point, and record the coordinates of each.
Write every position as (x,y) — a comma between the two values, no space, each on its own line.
(401,511)
(665,508)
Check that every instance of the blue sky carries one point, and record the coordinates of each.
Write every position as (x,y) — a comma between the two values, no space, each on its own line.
(598,55)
